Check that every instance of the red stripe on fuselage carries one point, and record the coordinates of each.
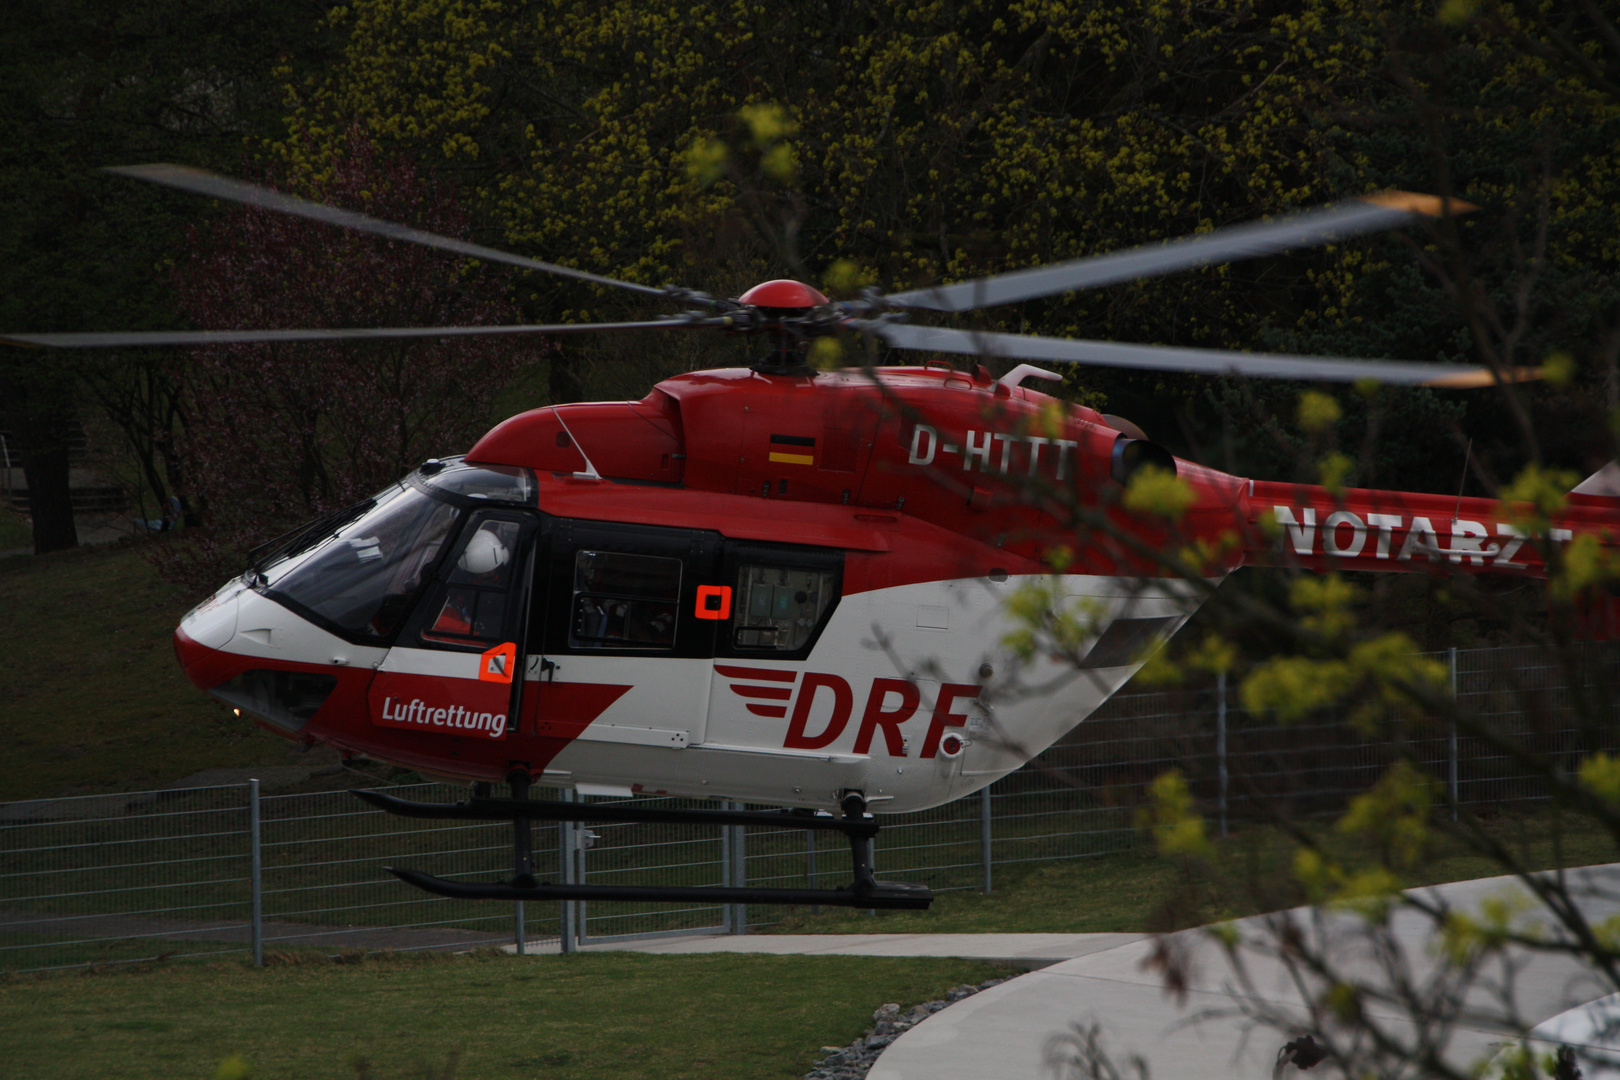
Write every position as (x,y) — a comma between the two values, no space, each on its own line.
(768,693)
(563,710)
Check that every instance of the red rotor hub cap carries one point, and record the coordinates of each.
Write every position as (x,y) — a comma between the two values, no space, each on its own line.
(783,293)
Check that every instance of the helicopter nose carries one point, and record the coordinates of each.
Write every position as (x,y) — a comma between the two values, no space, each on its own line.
(188,650)
(205,630)
(212,623)
(204,665)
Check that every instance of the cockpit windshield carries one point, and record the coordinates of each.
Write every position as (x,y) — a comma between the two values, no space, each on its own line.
(364,579)
(360,570)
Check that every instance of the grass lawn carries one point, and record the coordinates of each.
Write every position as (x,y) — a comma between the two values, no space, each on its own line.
(1139,890)
(91,698)
(582,1017)
(15,532)
(624,1015)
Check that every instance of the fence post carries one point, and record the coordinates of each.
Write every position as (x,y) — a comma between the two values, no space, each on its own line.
(727,911)
(810,864)
(567,931)
(984,834)
(739,871)
(1220,744)
(256,872)
(1451,756)
(871,852)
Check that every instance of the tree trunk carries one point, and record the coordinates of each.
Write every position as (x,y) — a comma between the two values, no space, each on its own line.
(37,406)
(50,499)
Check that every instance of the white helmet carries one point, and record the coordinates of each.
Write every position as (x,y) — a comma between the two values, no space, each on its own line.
(484,553)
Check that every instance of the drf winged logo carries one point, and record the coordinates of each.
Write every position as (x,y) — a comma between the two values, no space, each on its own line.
(826,703)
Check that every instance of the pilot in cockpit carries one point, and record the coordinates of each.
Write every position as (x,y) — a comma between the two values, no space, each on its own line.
(473,607)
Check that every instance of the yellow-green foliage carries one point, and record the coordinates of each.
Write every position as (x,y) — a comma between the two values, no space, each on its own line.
(1159,492)
(1326,604)
(1535,495)
(1369,890)
(1585,562)
(1334,469)
(1380,677)
(928,141)
(1394,814)
(1558,369)
(1048,621)
(1172,819)
(1600,774)
(1318,412)
(1465,936)
(1213,654)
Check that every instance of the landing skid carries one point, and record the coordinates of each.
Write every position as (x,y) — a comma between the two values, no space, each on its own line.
(864,892)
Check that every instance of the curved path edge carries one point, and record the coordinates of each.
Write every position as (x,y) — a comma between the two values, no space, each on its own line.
(1003,1033)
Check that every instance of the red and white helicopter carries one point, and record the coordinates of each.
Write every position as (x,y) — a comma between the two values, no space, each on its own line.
(779,585)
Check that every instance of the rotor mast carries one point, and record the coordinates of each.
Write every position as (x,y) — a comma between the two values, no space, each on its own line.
(787,311)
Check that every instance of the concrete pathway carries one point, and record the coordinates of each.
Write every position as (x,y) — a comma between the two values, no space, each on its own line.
(1027,951)
(1004,1032)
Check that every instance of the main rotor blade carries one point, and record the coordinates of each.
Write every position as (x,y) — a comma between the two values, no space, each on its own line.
(222,187)
(1166,358)
(1323,225)
(138,338)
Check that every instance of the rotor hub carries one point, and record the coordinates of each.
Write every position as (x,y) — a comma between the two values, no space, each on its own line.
(783,295)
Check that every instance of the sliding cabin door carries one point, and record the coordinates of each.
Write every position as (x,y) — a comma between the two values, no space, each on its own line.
(618,652)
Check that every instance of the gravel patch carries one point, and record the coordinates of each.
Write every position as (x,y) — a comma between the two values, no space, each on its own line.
(888,1023)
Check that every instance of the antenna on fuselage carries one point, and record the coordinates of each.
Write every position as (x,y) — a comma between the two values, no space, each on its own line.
(590,472)
(1468,455)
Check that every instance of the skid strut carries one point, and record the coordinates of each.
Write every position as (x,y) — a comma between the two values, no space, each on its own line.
(865,892)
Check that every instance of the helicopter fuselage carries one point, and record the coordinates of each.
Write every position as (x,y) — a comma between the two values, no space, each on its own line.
(775,588)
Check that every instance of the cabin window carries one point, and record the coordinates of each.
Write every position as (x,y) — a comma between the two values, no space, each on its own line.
(624,601)
(779,607)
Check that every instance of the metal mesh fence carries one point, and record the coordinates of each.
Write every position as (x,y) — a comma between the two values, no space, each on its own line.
(637,853)
(112,878)
(324,882)
(119,878)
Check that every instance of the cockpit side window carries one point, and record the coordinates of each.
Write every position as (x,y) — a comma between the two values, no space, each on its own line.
(472,610)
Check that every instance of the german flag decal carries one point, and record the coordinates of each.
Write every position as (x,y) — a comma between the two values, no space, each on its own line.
(804,456)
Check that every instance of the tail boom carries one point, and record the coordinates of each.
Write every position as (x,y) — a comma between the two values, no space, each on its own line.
(1361,529)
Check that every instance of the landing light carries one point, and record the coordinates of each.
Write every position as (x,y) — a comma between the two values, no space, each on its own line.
(238,712)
